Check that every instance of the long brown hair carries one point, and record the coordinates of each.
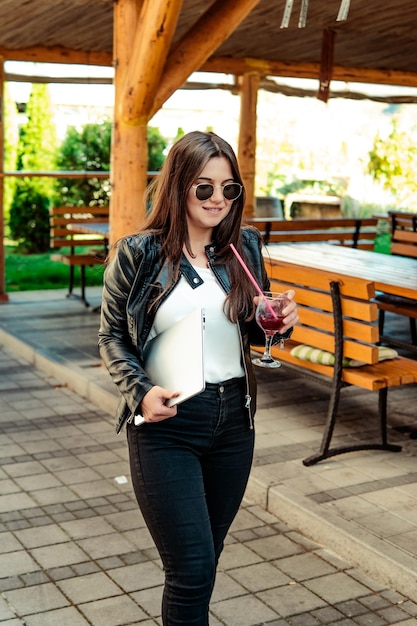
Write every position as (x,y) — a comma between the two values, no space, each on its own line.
(168,220)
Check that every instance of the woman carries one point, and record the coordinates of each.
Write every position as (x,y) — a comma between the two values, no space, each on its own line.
(190,462)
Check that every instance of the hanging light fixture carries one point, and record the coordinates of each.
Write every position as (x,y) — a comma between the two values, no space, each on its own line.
(287,13)
(343,11)
(302,21)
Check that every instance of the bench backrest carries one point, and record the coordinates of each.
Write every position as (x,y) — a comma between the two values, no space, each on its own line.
(318,310)
(404,233)
(356,233)
(62,216)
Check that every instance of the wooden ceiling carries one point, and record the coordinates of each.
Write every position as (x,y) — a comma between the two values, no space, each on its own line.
(376,43)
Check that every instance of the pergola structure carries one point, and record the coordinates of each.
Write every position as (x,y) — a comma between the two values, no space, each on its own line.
(155,45)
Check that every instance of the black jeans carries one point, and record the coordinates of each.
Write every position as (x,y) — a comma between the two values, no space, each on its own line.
(189,474)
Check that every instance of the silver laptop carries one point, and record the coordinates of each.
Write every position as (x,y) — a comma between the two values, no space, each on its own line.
(174,358)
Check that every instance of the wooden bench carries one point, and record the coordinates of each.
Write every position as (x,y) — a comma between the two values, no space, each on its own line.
(404,243)
(353,232)
(64,234)
(338,314)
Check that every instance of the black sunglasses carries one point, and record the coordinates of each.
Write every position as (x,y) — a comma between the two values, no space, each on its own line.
(231,191)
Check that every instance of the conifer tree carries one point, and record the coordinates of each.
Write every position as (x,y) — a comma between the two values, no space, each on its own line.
(11,136)
(29,212)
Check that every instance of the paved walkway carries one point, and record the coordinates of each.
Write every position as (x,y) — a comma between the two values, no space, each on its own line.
(335,543)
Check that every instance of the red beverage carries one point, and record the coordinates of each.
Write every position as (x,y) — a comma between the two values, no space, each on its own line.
(269,324)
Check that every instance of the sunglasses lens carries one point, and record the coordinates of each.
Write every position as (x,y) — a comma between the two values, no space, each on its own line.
(204,191)
(232,191)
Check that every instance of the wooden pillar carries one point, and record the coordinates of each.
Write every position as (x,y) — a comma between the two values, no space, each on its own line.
(3,295)
(247,137)
(143,30)
(129,142)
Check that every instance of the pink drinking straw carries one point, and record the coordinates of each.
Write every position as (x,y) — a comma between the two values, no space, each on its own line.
(253,281)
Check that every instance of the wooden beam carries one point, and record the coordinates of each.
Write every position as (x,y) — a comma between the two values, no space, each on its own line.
(3,294)
(50,80)
(240,66)
(247,137)
(204,38)
(151,45)
(226,65)
(57,54)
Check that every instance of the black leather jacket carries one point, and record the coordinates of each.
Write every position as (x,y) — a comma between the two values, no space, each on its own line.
(131,281)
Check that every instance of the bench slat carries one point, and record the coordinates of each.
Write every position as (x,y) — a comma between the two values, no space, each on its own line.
(77,210)
(352,232)
(320,279)
(78,259)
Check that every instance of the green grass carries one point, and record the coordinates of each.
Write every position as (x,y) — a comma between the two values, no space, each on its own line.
(38,271)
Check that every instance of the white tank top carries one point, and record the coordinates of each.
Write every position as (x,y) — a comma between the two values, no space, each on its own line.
(222,355)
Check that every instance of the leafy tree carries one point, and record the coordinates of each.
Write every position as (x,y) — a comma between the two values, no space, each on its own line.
(88,149)
(393,162)
(29,211)
(156,149)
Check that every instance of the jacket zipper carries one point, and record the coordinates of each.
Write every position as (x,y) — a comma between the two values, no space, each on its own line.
(248,398)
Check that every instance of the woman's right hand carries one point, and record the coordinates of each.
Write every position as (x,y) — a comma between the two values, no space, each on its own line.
(153,405)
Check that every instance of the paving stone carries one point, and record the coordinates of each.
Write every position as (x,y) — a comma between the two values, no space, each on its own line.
(351,608)
(89,587)
(393,614)
(139,576)
(336,587)
(328,615)
(69,616)
(305,620)
(304,566)
(34,578)
(62,554)
(42,536)
(112,611)
(370,619)
(36,599)
(260,576)
(15,563)
(246,611)
(150,600)
(59,573)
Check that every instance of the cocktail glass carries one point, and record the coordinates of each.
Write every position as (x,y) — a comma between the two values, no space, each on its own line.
(271,322)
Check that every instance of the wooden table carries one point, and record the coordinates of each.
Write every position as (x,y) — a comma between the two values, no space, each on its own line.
(396,275)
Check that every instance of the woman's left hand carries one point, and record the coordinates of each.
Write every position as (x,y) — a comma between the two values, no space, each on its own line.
(290,310)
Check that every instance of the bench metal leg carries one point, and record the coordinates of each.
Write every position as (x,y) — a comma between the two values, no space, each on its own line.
(70,293)
(381,321)
(82,271)
(413,331)
(71,281)
(327,452)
